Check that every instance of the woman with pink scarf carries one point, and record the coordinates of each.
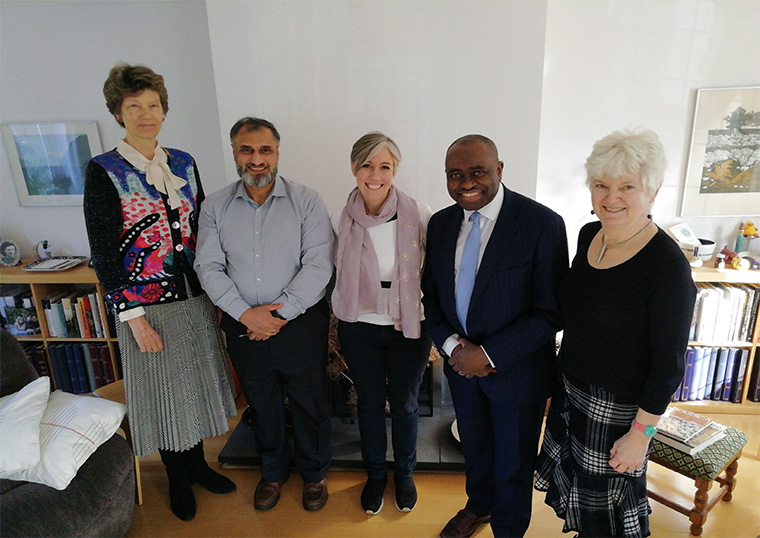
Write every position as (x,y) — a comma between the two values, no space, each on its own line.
(381,235)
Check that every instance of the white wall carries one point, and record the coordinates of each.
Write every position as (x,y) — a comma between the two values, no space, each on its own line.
(424,72)
(54,59)
(614,64)
(544,79)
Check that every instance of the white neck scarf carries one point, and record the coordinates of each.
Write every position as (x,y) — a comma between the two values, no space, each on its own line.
(157,172)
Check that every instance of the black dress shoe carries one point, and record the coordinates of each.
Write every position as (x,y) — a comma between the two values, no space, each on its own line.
(463,525)
(314,495)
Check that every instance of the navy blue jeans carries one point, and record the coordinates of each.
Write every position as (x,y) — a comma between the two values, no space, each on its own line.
(384,364)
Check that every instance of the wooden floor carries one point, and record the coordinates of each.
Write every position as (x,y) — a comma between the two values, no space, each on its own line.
(440,496)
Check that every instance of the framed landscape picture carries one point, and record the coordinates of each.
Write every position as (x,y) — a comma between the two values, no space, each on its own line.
(48,160)
(723,172)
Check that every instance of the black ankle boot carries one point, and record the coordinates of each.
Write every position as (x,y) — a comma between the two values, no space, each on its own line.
(181,495)
(200,472)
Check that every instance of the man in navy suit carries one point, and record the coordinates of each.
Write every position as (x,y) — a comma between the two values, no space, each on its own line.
(500,339)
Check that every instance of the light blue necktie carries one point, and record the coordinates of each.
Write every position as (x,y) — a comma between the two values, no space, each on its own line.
(468,268)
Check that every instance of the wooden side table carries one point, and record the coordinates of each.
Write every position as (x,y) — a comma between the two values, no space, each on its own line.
(718,462)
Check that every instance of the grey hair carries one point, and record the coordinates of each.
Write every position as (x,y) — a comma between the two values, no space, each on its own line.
(625,152)
(369,145)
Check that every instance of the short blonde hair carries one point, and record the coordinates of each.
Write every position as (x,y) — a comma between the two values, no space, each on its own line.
(625,152)
(367,147)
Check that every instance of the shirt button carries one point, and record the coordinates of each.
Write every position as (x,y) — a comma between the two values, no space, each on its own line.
(175,225)
(258,280)
(179,248)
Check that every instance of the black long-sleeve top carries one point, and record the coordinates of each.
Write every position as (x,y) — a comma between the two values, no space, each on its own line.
(627,327)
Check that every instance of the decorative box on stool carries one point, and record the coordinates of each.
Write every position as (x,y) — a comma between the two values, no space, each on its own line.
(718,462)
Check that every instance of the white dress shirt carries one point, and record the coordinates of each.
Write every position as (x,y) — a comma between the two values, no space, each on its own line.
(489,213)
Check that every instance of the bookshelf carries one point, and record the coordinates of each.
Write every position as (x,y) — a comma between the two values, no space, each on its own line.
(745,407)
(44,283)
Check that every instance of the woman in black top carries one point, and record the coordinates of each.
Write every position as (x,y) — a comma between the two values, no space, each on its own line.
(627,301)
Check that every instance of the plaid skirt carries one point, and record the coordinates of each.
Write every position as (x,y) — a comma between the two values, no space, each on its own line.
(573,468)
(184,393)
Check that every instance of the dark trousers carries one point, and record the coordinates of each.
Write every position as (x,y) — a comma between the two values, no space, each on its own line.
(383,363)
(292,363)
(499,441)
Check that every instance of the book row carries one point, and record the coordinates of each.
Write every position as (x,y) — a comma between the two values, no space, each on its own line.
(724,313)
(69,314)
(713,373)
(75,314)
(76,368)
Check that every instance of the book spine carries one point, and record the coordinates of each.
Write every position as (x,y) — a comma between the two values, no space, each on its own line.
(740,371)
(720,374)
(72,369)
(84,385)
(96,314)
(97,364)
(80,318)
(84,349)
(730,361)
(105,357)
(60,318)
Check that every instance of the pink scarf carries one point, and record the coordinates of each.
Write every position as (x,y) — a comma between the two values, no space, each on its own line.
(357,286)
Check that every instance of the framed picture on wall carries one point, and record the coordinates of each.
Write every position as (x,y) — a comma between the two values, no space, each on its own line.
(723,172)
(48,160)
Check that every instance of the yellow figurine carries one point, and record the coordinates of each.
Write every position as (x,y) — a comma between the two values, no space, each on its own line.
(750,230)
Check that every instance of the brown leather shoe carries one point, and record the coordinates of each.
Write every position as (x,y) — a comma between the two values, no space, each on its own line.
(463,525)
(267,494)
(314,495)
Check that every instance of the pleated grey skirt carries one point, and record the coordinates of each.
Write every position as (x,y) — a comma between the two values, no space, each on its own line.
(184,393)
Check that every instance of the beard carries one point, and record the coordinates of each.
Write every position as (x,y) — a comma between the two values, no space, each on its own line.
(256,180)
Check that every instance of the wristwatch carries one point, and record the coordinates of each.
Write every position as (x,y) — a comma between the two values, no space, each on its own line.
(276,314)
(649,431)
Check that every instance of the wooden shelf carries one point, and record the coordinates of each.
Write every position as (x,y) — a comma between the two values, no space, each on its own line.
(725,276)
(41,284)
(81,274)
(746,407)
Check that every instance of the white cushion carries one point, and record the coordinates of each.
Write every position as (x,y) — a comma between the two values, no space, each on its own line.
(71,429)
(20,415)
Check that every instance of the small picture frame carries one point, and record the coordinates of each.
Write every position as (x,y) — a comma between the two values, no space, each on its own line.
(48,160)
(10,254)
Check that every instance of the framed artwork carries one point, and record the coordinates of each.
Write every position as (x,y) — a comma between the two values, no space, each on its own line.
(723,172)
(48,160)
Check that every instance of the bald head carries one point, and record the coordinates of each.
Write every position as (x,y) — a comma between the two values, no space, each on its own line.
(470,139)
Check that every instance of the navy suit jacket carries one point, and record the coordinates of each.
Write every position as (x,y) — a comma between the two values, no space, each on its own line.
(514,311)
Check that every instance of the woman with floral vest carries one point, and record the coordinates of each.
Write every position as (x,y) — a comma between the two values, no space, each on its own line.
(141,203)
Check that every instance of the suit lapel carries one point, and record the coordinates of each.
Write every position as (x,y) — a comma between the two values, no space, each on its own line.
(503,231)
(451,230)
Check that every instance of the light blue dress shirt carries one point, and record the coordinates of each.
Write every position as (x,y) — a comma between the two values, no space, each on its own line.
(278,252)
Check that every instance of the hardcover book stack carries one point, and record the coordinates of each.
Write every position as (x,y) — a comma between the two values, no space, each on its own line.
(721,333)
(713,373)
(82,367)
(686,431)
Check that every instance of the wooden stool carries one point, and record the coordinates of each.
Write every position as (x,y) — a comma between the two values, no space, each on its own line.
(716,463)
